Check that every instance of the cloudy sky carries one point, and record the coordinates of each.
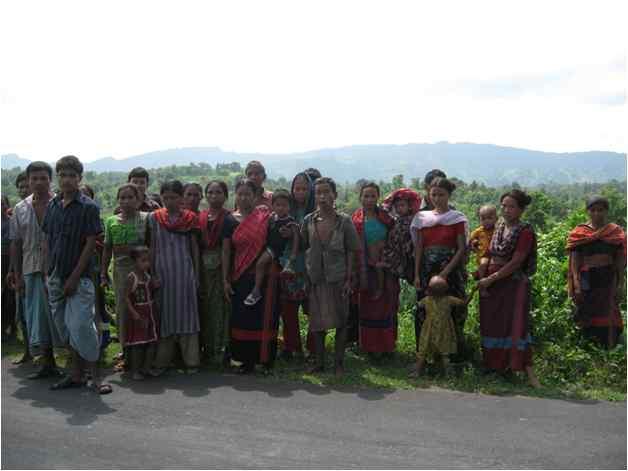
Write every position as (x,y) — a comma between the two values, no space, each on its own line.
(119,78)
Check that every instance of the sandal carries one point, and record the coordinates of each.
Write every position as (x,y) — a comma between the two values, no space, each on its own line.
(252,300)
(67,383)
(101,388)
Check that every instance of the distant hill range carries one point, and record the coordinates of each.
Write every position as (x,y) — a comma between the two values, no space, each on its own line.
(490,164)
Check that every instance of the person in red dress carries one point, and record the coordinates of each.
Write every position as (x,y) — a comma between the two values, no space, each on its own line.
(440,239)
(142,323)
(505,306)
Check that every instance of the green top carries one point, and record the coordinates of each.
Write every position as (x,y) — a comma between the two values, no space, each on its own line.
(375,231)
(131,232)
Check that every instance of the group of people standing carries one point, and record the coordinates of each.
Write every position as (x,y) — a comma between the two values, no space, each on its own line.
(194,286)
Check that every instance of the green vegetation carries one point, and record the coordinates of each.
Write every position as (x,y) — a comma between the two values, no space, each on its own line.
(567,365)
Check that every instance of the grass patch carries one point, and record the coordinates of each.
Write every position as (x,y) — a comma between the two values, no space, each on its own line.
(566,371)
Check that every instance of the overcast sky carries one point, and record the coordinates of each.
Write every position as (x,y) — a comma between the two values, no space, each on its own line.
(113,78)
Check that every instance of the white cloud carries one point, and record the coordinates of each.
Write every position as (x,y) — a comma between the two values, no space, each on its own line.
(120,78)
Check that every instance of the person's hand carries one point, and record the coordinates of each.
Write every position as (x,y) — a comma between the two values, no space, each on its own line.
(417,283)
(70,286)
(10,280)
(485,283)
(135,315)
(104,279)
(287,231)
(347,289)
(578,297)
(228,290)
(19,283)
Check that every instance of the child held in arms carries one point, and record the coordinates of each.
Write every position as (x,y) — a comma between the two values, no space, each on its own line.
(398,253)
(480,239)
(275,243)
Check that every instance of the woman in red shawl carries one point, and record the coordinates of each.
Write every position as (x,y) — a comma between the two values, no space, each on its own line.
(505,310)
(597,261)
(379,290)
(253,328)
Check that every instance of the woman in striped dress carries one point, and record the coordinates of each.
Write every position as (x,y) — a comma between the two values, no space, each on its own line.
(173,236)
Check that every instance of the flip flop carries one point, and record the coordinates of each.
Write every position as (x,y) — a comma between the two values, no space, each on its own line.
(252,300)
(101,389)
(67,383)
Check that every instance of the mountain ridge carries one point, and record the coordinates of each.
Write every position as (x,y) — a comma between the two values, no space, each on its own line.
(486,163)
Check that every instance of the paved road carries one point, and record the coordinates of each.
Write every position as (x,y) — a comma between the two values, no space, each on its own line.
(224,421)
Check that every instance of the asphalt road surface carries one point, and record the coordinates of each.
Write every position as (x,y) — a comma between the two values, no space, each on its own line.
(225,421)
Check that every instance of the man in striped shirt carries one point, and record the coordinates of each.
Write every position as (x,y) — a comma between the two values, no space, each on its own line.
(71,224)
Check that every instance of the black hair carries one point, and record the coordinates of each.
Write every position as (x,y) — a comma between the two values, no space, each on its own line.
(255,164)
(175,186)
(138,172)
(20,176)
(366,185)
(521,197)
(250,183)
(89,190)
(432,174)
(313,173)
(198,187)
(326,181)
(444,183)
(223,186)
(598,199)
(69,162)
(156,198)
(310,204)
(137,251)
(128,186)
(39,166)
(281,193)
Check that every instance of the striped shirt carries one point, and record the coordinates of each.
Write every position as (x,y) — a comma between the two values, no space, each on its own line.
(67,229)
